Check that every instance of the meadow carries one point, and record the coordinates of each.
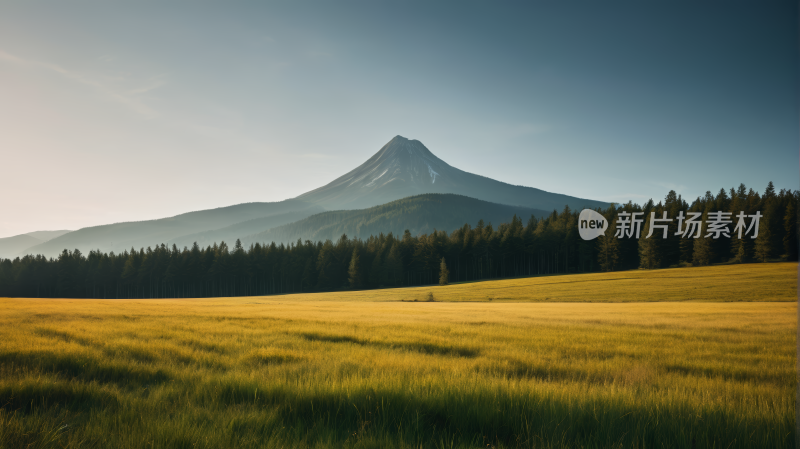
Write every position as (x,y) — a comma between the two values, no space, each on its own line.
(690,357)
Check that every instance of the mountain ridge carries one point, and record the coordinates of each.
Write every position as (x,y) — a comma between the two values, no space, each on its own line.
(404,168)
(13,245)
(420,214)
(124,235)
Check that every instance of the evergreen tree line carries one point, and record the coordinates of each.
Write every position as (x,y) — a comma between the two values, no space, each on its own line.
(543,246)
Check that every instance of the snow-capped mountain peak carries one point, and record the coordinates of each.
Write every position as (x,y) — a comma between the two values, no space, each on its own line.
(406,167)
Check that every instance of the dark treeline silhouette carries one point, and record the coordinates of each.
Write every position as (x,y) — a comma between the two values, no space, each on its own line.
(550,245)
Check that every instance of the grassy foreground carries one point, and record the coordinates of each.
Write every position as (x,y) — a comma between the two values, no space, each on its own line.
(297,371)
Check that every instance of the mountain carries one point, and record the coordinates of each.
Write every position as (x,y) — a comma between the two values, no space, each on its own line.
(121,236)
(45,236)
(11,246)
(419,214)
(405,167)
(401,169)
(229,234)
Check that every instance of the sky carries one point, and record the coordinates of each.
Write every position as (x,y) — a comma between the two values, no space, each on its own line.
(126,111)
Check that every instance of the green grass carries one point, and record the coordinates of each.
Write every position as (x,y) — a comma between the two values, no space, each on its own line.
(308,371)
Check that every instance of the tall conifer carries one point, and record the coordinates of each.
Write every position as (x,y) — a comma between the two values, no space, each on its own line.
(608,249)
(790,229)
(354,271)
(649,256)
(444,273)
(703,253)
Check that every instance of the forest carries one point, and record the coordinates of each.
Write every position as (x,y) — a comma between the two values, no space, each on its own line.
(538,246)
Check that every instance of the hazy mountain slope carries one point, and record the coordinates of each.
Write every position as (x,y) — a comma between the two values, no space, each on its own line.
(46,235)
(418,214)
(121,236)
(240,230)
(406,167)
(11,246)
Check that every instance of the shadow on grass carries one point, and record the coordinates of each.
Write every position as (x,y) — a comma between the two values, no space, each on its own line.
(421,347)
(83,368)
(63,336)
(732,373)
(507,419)
(27,397)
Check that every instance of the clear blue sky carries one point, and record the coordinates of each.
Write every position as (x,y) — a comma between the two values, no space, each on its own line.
(118,111)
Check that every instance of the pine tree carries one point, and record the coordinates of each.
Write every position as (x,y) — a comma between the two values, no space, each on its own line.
(670,248)
(325,266)
(444,274)
(702,254)
(702,251)
(608,249)
(742,251)
(649,256)
(308,280)
(763,249)
(376,271)
(355,270)
(686,248)
(769,192)
(721,247)
(771,225)
(790,229)
(394,265)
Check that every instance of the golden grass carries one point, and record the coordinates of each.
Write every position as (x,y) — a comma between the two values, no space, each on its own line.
(341,370)
(742,282)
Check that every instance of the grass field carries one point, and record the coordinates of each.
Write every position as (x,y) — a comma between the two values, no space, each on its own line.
(371,369)
(748,282)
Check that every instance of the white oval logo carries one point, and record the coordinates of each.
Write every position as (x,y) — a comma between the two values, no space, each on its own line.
(591,224)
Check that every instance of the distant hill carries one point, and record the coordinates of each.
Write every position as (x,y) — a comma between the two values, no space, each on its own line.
(246,228)
(122,236)
(10,247)
(419,214)
(45,236)
(403,168)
